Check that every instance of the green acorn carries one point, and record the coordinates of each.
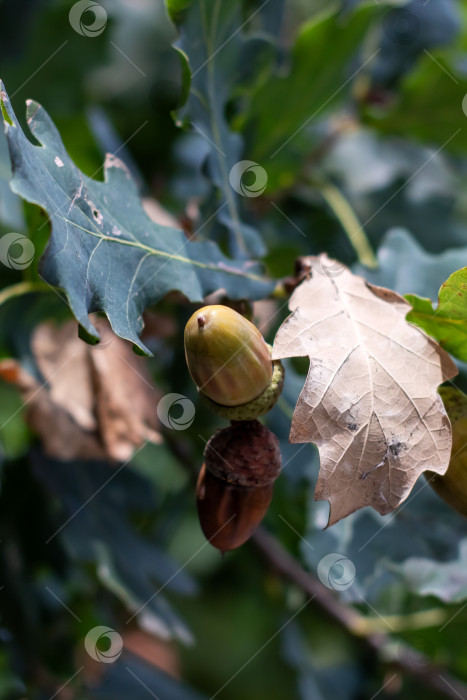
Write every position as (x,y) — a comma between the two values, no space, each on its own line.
(231,363)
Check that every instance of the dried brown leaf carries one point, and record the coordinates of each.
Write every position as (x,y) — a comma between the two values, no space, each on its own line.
(61,435)
(369,400)
(63,361)
(126,399)
(95,402)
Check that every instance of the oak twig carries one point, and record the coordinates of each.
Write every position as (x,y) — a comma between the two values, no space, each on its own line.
(425,671)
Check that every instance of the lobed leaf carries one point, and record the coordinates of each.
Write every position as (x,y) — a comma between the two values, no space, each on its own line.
(104,251)
(445,580)
(134,678)
(11,214)
(403,265)
(217,56)
(369,400)
(448,322)
(96,526)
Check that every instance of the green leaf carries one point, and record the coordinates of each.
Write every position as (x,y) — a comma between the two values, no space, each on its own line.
(175,7)
(95,525)
(407,268)
(218,55)
(135,678)
(284,108)
(424,527)
(448,323)
(11,213)
(390,181)
(429,107)
(447,581)
(322,676)
(104,251)
(408,30)
(33,303)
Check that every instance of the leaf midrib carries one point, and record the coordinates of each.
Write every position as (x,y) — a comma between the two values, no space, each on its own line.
(209,42)
(135,243)
(161,253)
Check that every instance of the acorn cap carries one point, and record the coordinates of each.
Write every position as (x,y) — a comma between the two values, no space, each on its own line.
(227,356)
(246,453)
(257,407)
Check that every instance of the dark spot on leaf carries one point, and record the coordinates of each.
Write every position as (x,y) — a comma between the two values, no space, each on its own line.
(395,448)
(352,426)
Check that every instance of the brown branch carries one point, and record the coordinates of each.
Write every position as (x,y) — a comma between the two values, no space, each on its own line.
(427,673)
(430,675)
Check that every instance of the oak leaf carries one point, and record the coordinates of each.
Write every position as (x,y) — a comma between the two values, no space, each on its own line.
(369,401)
(95,402)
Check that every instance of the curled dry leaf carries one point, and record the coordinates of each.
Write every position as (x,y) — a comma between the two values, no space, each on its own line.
(95,402)
(369,400)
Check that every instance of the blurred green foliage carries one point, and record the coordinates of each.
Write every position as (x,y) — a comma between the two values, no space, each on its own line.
(368,97)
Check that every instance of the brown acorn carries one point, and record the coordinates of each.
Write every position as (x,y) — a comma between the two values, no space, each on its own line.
(235,485)
(231,364)
(229,514)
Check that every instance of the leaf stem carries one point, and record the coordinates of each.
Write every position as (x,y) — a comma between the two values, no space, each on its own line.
(16,290)
(285,407)
(349,222)
(401,623)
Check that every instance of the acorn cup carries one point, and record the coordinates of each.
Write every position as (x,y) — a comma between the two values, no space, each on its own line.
(235,484)
(231,364)
(452,486)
